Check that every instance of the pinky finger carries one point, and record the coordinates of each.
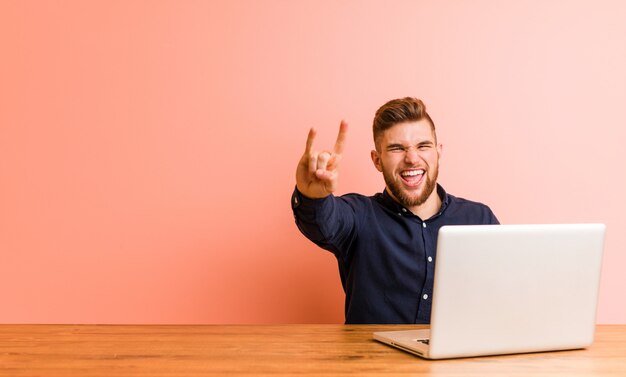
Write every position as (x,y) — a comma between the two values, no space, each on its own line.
(313,162)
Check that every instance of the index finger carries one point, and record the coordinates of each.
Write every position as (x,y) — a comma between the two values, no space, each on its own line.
(309,141)
(341,137)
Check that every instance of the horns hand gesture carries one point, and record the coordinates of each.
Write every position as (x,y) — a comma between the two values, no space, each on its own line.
(317,173)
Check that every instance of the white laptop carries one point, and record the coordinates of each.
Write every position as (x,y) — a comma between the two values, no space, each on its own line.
(502,289)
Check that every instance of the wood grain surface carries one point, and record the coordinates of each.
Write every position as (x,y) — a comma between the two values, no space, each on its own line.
(263,350)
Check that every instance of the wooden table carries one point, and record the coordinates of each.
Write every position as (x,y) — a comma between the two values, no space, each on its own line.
(258,350)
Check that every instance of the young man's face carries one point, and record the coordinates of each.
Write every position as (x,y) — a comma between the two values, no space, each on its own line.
(408,157)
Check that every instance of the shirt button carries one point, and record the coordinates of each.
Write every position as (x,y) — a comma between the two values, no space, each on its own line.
(424,225)
(430,259)
(404,210)
(425,297)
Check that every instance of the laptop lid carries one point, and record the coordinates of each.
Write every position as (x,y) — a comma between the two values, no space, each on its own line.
(515,288)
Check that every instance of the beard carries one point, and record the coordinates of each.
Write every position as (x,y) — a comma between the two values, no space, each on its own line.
(406,198)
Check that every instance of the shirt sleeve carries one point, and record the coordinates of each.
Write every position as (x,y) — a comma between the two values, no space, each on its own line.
(492,217)
(329,222)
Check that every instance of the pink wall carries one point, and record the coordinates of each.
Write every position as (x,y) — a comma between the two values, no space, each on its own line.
(148,148)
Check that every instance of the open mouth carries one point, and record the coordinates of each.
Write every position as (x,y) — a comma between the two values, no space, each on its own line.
(412,177)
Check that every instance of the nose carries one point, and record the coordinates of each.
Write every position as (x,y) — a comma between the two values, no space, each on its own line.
(411,156)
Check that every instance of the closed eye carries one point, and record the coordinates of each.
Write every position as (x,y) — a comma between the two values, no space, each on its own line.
(395,148)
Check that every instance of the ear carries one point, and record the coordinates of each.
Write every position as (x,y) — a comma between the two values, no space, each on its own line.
(439,149)
(376,160)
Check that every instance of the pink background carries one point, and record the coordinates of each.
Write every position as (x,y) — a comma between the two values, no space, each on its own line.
(148,148)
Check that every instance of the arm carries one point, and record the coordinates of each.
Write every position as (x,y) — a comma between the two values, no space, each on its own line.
(323,218)
(328,222)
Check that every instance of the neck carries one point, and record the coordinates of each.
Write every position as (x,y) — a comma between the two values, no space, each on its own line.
(429,208)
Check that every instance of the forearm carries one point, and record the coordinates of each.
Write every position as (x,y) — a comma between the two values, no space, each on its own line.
(328,222)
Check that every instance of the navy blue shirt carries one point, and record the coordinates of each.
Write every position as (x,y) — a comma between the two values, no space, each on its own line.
(386,254)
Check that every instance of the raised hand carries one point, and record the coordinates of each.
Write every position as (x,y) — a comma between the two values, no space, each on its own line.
(318,172)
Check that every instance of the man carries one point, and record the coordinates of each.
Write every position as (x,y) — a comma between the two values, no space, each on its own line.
(384,244)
